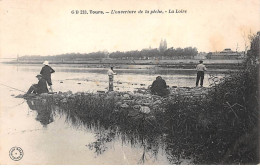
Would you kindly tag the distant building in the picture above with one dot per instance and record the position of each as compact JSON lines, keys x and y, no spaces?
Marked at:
{"x":225,"y":54}
{"x":201,"y":55}
{"x":163,"y":46}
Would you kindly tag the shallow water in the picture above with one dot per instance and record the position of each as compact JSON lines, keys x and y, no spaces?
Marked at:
{"x":82,"y":78}
{"x":51,"y":138}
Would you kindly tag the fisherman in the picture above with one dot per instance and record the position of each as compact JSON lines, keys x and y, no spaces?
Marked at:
{"x":200,"y":73}
{"x":46,"y":73}
{"x":159,"y":87}
{"x":39,"y":88}
{"x":111,"y":74}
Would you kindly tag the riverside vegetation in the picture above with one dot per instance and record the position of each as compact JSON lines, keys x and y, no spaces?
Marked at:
{"x":216,"y":125}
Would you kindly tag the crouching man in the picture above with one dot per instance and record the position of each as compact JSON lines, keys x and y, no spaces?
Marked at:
{"x":159,"y":87}
{"x":39,"y":88}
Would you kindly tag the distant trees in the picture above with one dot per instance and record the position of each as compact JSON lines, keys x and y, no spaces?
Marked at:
{"x":127,"y":54}
{"x":143,"y":54}
{"x":188,"y":51}
{"x":66,"y":57}
{"x":152,"y":53}
{"x":253,"y":55}
{"x":74,"y":56}
{"x":155,"y":53}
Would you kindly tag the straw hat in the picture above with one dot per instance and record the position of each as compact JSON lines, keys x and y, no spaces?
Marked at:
{"x":45,"y":63}
{"x":38,"y":75}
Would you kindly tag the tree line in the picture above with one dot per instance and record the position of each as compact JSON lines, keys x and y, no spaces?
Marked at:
{"x":144,"y":53}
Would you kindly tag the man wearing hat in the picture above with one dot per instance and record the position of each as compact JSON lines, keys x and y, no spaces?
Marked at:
{"x":39,"y":88}
{"x":110,"y":74}
{"x":46,"y":73}
{"x":200,"y":73}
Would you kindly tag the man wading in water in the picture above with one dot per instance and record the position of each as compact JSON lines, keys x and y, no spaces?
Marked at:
{"x":111,"y":74}
{"x":46,"y":73}
{"x":200,"y":73}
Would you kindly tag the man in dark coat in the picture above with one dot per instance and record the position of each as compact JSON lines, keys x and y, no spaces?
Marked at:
{"x":39,"y":88}
{"x":159,"y":87}
{"x":46,"y":73}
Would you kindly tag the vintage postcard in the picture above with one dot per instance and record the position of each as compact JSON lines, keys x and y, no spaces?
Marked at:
{"x":117,"y":82}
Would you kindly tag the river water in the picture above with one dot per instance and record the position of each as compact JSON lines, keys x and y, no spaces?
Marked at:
{"x":57,"y":140}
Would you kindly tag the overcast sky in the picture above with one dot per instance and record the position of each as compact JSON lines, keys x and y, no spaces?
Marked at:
{"x":47,"y":27}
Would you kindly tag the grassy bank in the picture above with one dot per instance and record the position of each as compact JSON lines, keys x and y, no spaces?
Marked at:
{"x":221,"y":128}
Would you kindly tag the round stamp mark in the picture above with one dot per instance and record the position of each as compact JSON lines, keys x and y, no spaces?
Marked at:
{"x":16,"y":153}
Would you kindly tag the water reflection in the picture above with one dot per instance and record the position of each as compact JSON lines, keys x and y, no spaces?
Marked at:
{"x":149,"y":149}
{"x":113,"y":129}
{"x":44,"y":111}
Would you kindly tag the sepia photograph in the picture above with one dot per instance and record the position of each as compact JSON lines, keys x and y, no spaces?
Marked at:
{"x":141,"y":82}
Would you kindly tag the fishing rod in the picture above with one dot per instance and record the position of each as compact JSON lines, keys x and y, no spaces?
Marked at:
{"x":12,"y":87}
